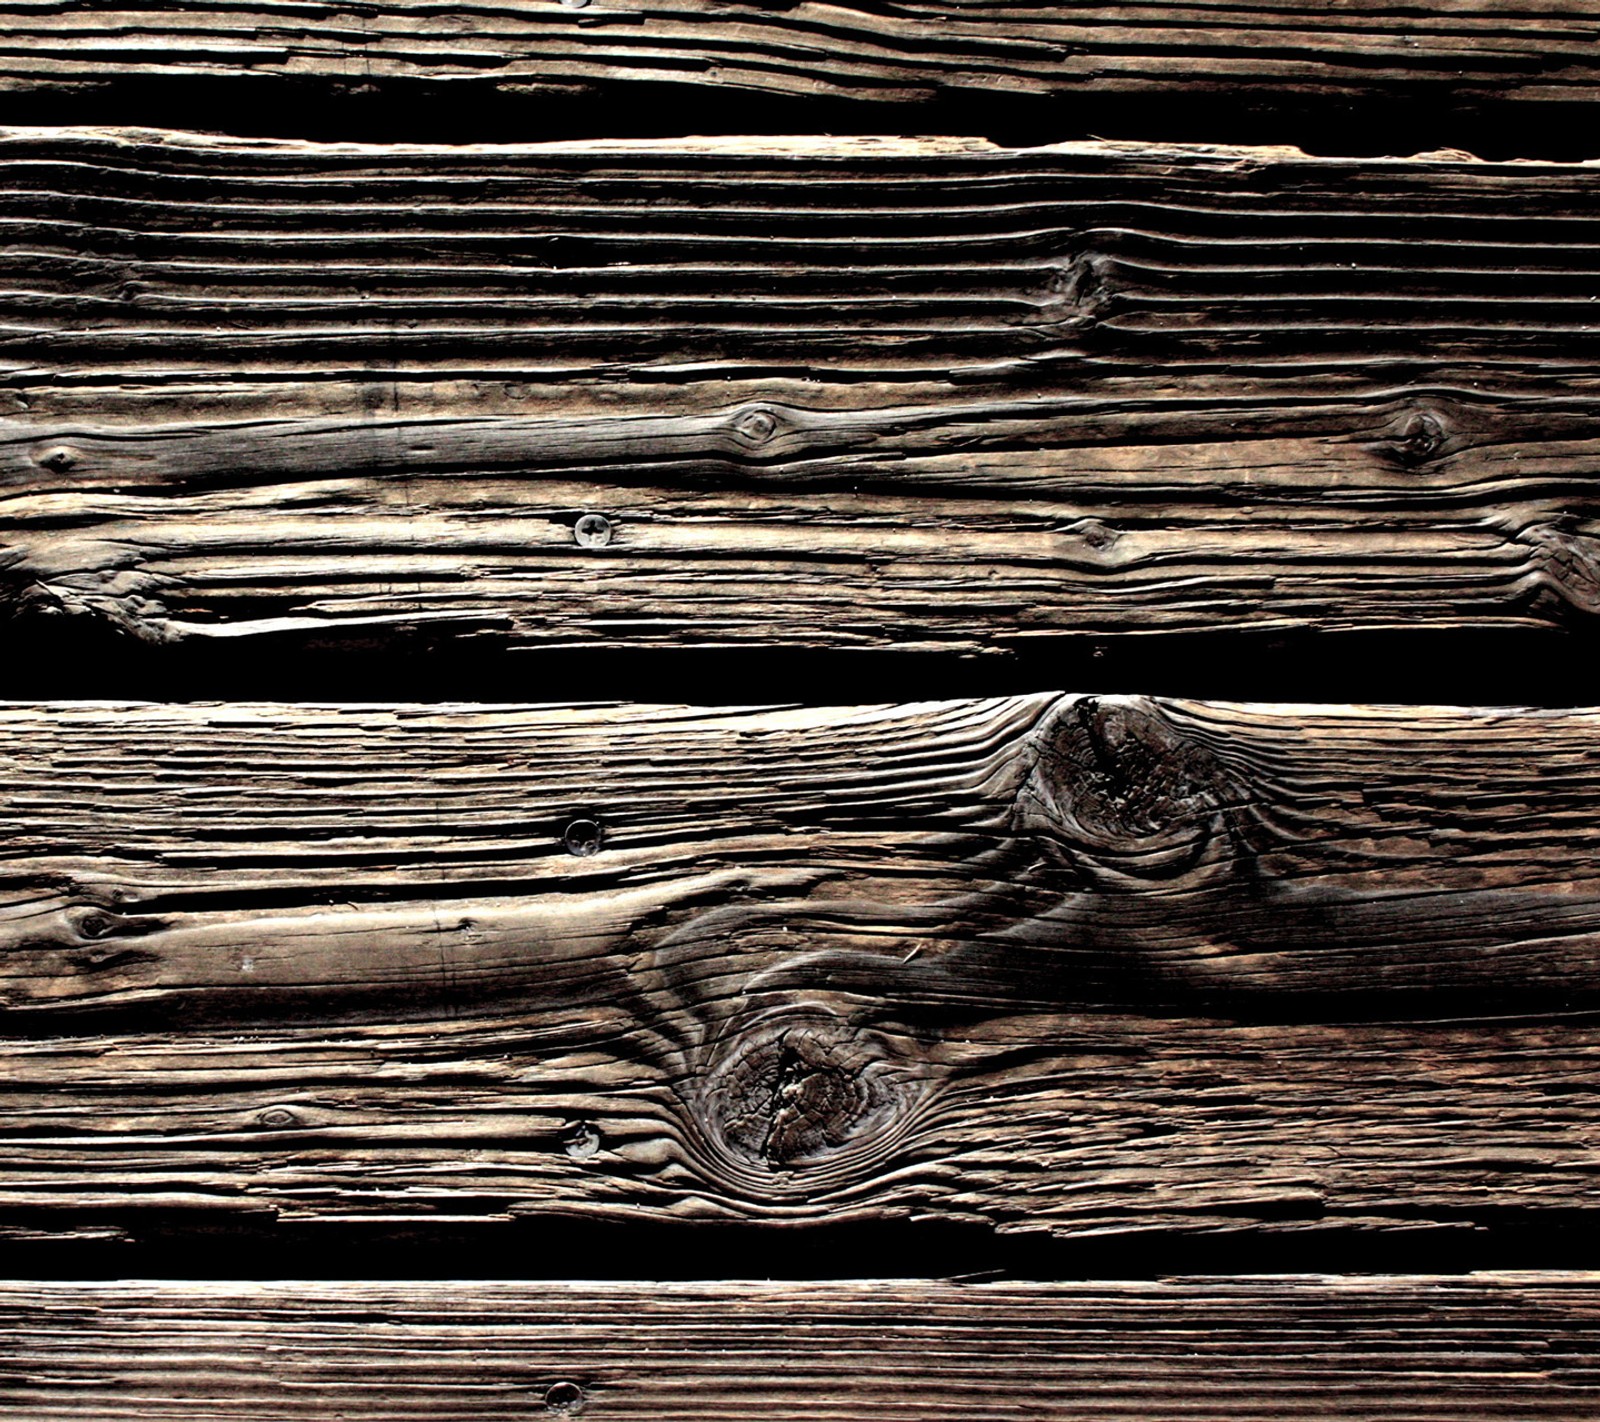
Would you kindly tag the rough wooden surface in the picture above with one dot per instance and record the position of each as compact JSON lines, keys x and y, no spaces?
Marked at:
{"x":1465,"y":52}
{"x":135,"y":255}
{"x":853,"y":394}
{"x":1069,"y":964}
{"x":1217,"y":1350}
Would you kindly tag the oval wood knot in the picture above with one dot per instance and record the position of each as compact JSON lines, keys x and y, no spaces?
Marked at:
{"x":1076,"y":292}
{"x":802,"y":1088}
{"x":1115,"y":789}
{"x":757,"y":425}
{"x":1421,"y":437}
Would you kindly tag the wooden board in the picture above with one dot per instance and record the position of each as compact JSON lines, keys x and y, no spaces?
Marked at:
{"x":1218,"y":1350}
{"x":839,"y":394}
{"x":1461,"y":52}
{"x":1072,"y":964}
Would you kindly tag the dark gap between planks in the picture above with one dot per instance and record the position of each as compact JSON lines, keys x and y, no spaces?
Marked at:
{"x":423,"y":111}
{"x":561,"y":1249}
{"x":51,"y":660}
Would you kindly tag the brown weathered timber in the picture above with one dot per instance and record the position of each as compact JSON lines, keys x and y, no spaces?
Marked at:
{"x":1073,"y":964}
{"x":855,"y":394}
{"x":1501,"y":1346}
{"x":1466,"y":52}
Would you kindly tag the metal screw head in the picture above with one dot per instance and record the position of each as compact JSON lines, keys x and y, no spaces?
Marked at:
{"x":592,"y":531}
{"x":583,"y":838}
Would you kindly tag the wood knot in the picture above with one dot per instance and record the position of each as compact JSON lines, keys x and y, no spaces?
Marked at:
{"x":757,"y":425}
{"x":1101,"y":537}
{"x":802,"y":1088}
{"x":57,"y":459}
{"x":1076,"y":292}
{"x":95,"y":925}
{"x":1115,"y":789}
{"x":1567,"y":562}
{"x":1421,"y":436}
{"x":99,"y":942}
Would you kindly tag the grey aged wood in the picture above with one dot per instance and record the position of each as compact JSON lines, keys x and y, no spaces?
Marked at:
{"x":1462,"y":52}
{"x":1496,"y":1346}
{"x":847,"y":394}
{"x":1074,"y":964}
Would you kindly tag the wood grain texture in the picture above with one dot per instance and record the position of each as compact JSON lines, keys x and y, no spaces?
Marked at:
{"x":1463,"y":52}
{"x":838,"y":394}
{"x":1069,"y":964}
{"x":1217,"y":1350}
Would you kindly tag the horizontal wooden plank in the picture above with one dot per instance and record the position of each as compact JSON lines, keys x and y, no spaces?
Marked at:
{"x":807,"y":393}
{"x":1069,"y":964}
{"x":1219,"y":1350}
{"x":1464,"y":52}
{"x":133,"y":255}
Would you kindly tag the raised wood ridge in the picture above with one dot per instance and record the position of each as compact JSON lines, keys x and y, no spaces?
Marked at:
{"x":1072,"y":964}
{"x":1218,"y":1350}
{"x":1460,"y":52}
{"x":840,"y":394}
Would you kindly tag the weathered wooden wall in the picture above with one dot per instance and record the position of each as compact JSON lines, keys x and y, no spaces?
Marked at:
{"x":1115,"y":979}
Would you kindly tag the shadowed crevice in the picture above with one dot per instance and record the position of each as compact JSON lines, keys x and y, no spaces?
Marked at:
{"x":1398,"y":121}
{"x":46,"y":658}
